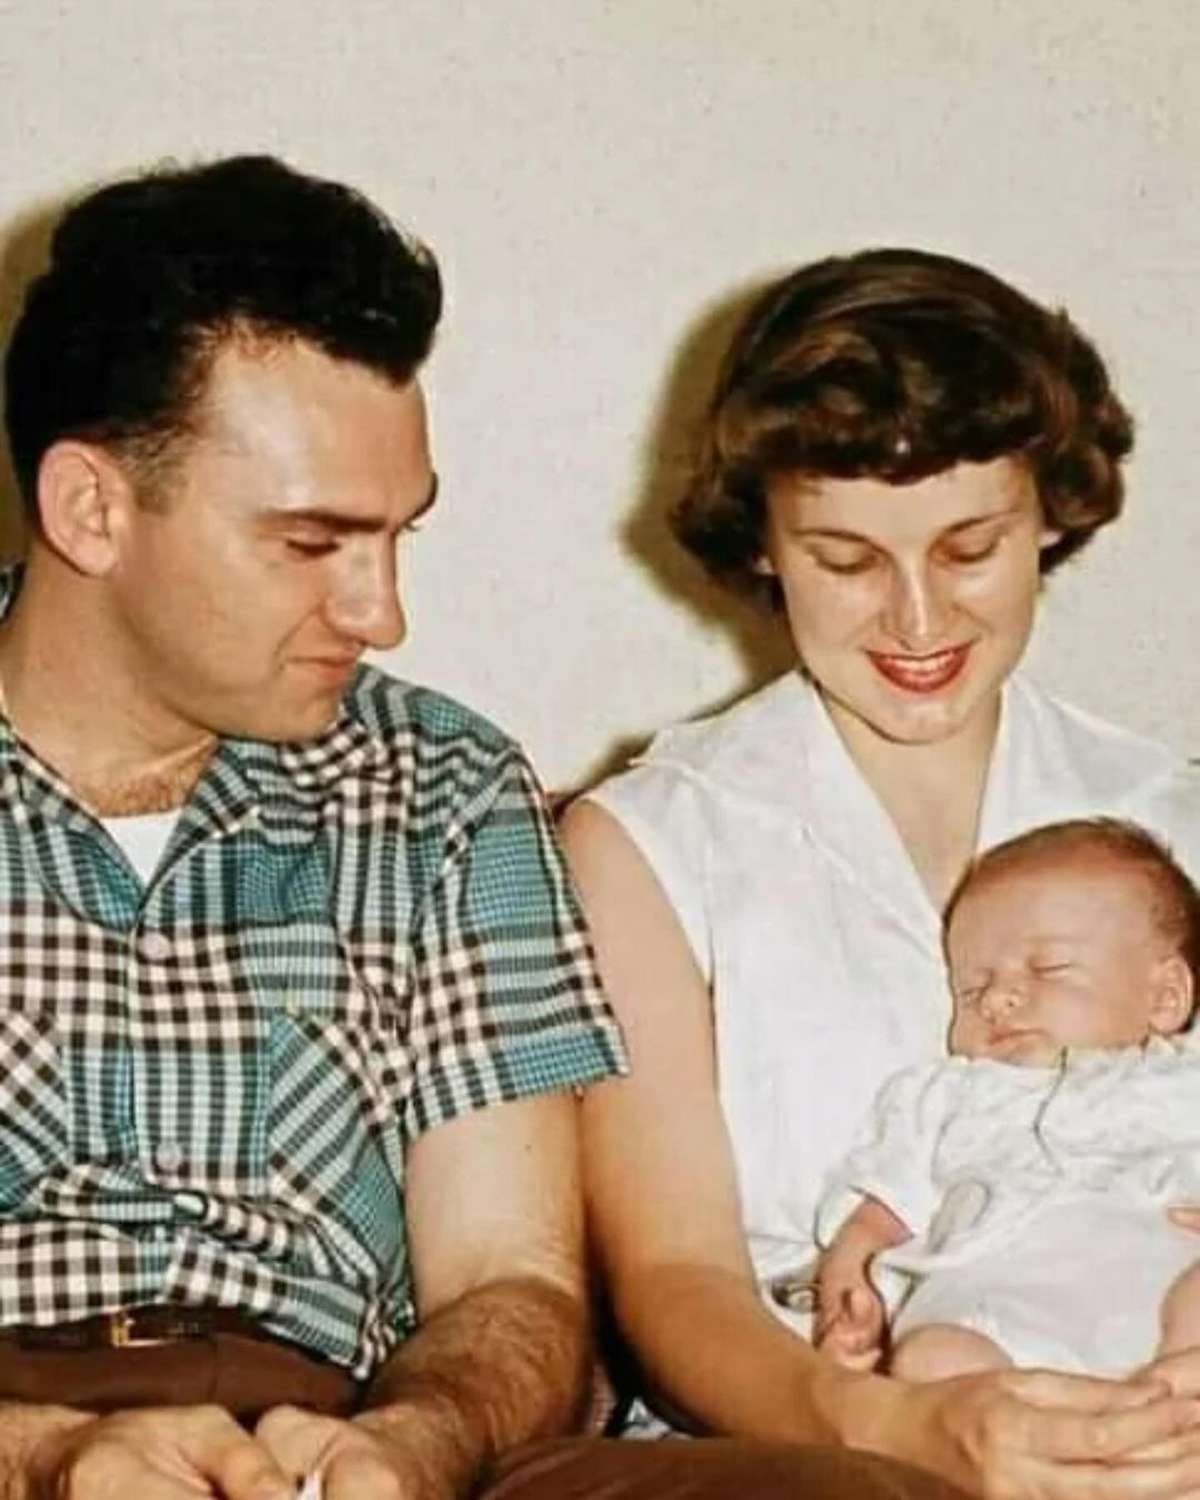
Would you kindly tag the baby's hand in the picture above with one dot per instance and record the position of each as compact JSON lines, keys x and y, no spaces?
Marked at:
{"x":850,"y":1330}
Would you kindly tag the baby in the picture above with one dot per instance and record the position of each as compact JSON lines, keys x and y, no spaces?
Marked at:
{"x":1021,"y":1185}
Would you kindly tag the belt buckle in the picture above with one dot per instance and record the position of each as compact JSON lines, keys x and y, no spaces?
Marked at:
{"x":120,"y":1332}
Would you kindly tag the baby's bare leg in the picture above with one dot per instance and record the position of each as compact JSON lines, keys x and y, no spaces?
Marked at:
{"x":1180,"y":1315}
{"x":940,"y":1350}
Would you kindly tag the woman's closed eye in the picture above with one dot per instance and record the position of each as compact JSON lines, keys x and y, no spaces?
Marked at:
{"x":973,"y":545}
{"x":844,"y":561}
{"x":972,"y":554}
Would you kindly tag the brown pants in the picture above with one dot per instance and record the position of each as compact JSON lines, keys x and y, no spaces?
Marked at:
{"x":705,"y":1469}
{"x":247,"y":1376}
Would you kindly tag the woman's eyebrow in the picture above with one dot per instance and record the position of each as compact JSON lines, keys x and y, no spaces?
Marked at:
{"x":835,"y":533}
{"x":990,"y":515}
{"x":840,"y":534}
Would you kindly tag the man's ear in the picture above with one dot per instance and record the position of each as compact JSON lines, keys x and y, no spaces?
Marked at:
{"x":1172,"y":996}
{"x":83,"y":497}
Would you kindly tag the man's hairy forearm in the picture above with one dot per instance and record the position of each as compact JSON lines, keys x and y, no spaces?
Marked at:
{"x":22,"y":1428}
{"x":503,"y":1364}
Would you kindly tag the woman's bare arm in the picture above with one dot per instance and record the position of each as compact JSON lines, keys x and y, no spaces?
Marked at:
{"x":659,"y":1173}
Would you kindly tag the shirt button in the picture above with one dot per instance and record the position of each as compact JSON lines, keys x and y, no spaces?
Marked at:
{"x":156,"y":946}
{"x":168,"y":1156}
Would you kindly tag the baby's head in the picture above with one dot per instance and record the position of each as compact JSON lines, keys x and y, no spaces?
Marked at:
{"x":1077,"y":934}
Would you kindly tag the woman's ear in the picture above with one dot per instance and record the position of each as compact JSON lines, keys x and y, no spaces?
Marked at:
{"x":82,"y":495}
{"x":1173,"y":995}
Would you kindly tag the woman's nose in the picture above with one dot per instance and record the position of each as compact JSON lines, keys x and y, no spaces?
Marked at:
{"x":917,"y":607}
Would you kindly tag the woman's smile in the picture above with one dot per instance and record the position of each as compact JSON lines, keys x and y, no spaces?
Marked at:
{"x":928,"y":673}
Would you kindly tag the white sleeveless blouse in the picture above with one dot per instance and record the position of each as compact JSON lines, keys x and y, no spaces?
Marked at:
{"x":807,"y":917}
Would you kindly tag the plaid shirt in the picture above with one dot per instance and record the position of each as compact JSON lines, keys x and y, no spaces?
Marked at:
{"x":208,"y":1085}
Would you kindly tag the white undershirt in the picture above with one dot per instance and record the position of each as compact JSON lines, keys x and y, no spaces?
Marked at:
{"x":143,"y":838}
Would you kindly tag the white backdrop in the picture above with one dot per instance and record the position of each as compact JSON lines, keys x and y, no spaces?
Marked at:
{"x":600,"y":178}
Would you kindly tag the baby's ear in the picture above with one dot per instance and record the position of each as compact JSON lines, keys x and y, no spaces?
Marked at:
{"x":1172,"y":996}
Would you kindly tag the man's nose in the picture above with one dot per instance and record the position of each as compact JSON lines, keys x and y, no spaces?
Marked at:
{"x":365,"y":606}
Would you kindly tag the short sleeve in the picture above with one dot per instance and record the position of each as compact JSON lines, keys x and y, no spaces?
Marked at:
{"x":506,"y":999}
{"x":893,"y":1158}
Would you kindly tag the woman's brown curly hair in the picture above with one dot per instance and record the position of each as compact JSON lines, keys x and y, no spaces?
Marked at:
{"x":898,"y":364}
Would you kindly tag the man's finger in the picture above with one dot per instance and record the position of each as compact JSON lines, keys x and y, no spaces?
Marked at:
{"x":1185,"y":1217}
{"x":240,"y":1467}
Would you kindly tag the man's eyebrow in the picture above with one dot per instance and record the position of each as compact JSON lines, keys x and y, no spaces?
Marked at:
{"x":279,"y":518}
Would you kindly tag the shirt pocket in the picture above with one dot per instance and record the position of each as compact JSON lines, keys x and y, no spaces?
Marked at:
{"x":35,"y":1136}
{"x":332,"y":1131}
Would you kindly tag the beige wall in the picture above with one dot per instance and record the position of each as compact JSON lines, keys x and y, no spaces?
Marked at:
{"x":599,"y":179}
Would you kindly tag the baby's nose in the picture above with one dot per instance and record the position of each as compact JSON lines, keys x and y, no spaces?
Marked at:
{"x":1001,"y":998}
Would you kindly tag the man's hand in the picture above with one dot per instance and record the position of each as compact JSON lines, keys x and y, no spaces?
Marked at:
{"x":364,"y":1458}
{"x":158,"y":1453}
{"x":350,"y":1460}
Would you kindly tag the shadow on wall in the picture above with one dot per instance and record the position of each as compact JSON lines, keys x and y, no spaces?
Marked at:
{"x":24,"y":253}
{"x":760,"y":637}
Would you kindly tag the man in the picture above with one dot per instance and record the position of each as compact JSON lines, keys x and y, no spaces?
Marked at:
{"x":294,"y":994}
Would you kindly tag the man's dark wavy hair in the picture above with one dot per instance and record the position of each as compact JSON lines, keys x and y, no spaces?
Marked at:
{"x":150,"y":275}
{"x":897,"y":364}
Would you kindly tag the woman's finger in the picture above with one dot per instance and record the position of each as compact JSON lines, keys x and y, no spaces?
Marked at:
{"x":1050,"y":1390}
{"x":1178,"y":1480}
{"x":1098,"y":1434}
{"x":1177,"y":1373}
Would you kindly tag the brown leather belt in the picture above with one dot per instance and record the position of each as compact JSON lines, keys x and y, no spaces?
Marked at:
{"x":137,"y":1327}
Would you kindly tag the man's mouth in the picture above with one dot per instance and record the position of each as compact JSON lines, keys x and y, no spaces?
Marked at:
{"x":921,"y":674}
{"x":335,"y":668}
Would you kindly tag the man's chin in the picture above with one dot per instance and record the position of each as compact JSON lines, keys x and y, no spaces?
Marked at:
{"x":284,"y":726}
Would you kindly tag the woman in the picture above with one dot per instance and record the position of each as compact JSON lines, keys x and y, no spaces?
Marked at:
{"x":899,"y":446}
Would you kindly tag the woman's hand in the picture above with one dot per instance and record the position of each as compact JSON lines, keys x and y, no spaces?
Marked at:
{"x":1034,"y":1433}
{"x":1178,"y":1373}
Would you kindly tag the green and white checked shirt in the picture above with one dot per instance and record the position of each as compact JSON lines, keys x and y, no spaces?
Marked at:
{"x":208,"y":1084}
